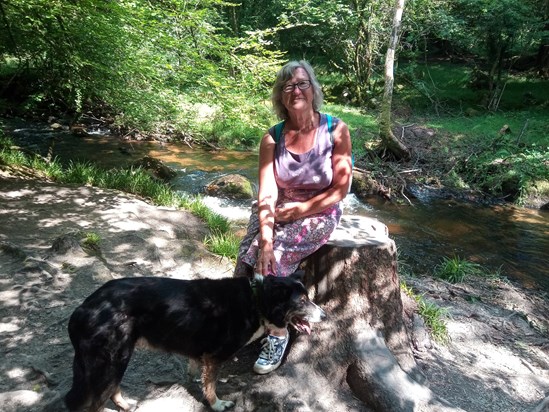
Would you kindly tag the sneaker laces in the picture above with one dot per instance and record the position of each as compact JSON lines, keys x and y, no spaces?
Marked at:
{"x":269,"y":346}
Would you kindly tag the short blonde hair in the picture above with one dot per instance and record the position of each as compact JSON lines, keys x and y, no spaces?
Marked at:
{"x":285,"y":74}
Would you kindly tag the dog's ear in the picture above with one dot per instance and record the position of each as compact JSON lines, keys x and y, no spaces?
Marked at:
{"x":298,"y":275}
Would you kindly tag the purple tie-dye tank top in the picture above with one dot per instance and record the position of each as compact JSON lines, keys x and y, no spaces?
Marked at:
{"x":302,"y":176}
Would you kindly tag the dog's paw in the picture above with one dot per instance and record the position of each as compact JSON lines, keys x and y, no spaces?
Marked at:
{"x":221,"y":405}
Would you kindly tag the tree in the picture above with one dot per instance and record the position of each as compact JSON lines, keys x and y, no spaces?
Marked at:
{"x":389,"y":140}
{"x":496,"y":33}
{"x":543,"y":49}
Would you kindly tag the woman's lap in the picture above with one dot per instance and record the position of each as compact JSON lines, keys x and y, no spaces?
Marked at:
{"x":293,"y":241}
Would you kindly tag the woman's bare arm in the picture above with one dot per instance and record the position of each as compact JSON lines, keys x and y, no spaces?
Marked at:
{"x":267,"y":197}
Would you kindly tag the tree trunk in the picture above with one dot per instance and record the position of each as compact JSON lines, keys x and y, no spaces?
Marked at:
{"x":364,"y":343}
{"x":389,"y":140}
{"x":543,"y":49}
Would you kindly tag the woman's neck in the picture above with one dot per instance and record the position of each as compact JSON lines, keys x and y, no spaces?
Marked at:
{"x":303,"y":121}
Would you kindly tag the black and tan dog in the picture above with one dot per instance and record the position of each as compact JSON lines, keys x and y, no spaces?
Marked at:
{"x":205,"y":319}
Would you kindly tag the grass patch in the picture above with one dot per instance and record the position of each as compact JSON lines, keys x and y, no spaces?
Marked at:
{"x":505,"y":153}
{"x":91,"y":241}
{"x":473,"y":154}
{"x":218,"y":224}
{"x":134,"y":180}
{"x":456,"y":270}
{"x":444,"y":86}
{"x":224,"y":244}
{"x":363,"y":127}
{"x":432,"y":315}
{"x":526,"y":128}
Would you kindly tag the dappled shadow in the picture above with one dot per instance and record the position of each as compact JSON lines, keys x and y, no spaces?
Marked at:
{"x":46,"y":272}
{"x":358,"y":292}
{"x":40,"y":286}
{"x":498,"y":344}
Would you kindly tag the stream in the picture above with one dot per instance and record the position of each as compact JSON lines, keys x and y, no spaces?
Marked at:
{"x":506,"y":239}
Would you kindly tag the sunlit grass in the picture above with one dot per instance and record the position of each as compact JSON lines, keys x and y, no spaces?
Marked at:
{"x":456,"y":270}
{"x":91,"y":241}
{"x":133,"y":180}
{"x":433,"y":316}
{"x":525,"y":127}
{"x":362,"y":126}
{"x":225,"y":244}
{"x":421,"y":85}
{"x":218,"y":224}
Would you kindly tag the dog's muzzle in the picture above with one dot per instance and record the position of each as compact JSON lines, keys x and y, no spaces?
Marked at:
{"x":312,"y":314}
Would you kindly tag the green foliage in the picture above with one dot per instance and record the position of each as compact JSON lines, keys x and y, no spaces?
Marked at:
{"x":136,"y":61}
{"x":218,"y":224}
{"x":509,"y":164}
{"x":225,"y":244}
{"x":8,"y":155}
{"x":362,"y":126}
{"x":445,"y":88}
{"x":132,"y":180}
{"x":203,"y":68}
{"x":456,"y":270}
{"x":432,"y":315}
{"x":91,"y":240}
{"x":238,"y":124}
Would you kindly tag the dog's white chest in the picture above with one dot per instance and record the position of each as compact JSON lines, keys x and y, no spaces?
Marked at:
{"x":257,"y":334}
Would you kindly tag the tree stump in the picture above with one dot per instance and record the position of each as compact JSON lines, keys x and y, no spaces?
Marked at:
{"x":364,"y":343}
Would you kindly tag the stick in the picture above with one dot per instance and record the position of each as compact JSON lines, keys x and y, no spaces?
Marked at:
{"x":522,"y":131}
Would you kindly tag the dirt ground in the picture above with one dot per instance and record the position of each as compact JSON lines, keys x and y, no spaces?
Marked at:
{"x":497,"y":358}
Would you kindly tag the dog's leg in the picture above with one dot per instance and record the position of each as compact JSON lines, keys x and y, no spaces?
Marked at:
{"x":119,"y":401}
{"x":193,"y":370}
{"x":209,"y":377}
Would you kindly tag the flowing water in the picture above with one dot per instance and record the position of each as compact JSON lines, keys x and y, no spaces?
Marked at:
{"x":513,"y":241}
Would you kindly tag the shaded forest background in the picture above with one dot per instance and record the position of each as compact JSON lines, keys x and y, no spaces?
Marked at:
{"x":201,"y":70}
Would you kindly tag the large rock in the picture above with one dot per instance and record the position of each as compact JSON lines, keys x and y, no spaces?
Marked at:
{"x":156,"y":168}
{"x":231,"y":186}
{"x":364,"y":186}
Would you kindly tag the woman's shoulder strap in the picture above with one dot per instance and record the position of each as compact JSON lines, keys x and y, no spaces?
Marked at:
{"x":276,"y":131}
{"x":331,"y":123}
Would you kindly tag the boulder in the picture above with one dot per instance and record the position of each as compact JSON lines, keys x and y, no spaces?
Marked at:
{"x":156,"y":167}
{"x":231,"y":186}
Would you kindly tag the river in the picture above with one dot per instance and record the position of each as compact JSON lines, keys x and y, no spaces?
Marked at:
{"x":506,"y":239}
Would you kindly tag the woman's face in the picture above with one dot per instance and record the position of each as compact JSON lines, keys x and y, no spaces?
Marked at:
{"x":297,"y":99}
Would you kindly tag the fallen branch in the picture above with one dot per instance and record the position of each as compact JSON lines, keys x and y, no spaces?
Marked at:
{"x":522,"y":131}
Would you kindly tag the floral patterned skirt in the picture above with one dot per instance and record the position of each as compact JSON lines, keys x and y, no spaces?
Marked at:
{"x":293,"y":241}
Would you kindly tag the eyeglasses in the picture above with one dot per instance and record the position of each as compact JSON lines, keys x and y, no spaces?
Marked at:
{"x":302,"y":85}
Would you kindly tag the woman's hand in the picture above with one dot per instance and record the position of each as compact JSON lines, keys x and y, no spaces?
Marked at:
{"x":265,"y":264}
{"x":289,"y":212}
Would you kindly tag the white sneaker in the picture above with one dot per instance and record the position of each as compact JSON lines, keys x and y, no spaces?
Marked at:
{"x":272,"y":351}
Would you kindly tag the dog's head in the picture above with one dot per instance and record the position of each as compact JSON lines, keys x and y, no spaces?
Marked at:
{"x":285,"y":302}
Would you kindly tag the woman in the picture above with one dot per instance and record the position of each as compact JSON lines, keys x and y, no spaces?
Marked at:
{"x":304,"y":172}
